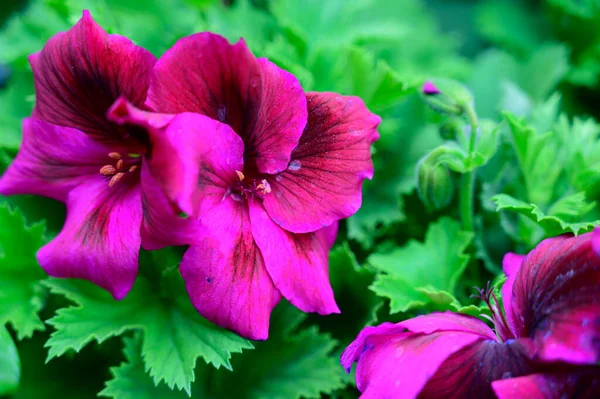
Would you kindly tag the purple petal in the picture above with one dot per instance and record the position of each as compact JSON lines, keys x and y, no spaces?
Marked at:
{"x":53,"y":160}
{"x":576,"y":383}
{"x":555,"y":299}
{"x":161,"y":225}
{"x":397,"y":364}
{"x":194,"y":158}
{"x":80,"y":73}
{"x":323,"y":181}
{"x":225,"y":274}
{"x":265,"y":105}
{"x":429,"y":88}
{"x":511,"y":264}
{"x":100,"y":240}
{"x":297,"y":263}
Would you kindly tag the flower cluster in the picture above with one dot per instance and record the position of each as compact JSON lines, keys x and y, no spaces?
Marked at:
{"x":546,"y":342}
{"x":208,"y":147}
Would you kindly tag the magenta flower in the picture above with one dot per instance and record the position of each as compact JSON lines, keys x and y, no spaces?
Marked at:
{"x":71,"y":152}
{"x":547,"y":346}
{"x":268,"y":169}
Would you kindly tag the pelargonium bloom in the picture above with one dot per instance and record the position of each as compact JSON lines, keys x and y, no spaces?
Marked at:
{"x":71,"y":152}
{"x":267,"y":168}
{"x":545,"y":345}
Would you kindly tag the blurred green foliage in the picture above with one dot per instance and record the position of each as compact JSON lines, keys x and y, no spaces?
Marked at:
{"x":533,"y":68}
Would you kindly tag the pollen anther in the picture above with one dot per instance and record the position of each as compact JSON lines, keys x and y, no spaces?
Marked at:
{"x":115,"y":155}
{"x":240,"y":175}
{"x":115,"y":179}
{"x":108,"y":170}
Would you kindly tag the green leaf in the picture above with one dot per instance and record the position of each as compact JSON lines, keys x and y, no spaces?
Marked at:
{"x":16,"y":102}
{"x":10,"y":365}
{"x":293,"y":363}
{"x":539,"y":159}
{"x":350,"y":283}
{"x":552,"y":225}
{"x":130,"y":380}
{"x":410,"y":274}
{"x":21,"y":295}
{"x":175,"y":335}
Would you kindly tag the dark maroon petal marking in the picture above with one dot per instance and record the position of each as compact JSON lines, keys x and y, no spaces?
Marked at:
{"x":323,"y":181}
{"x":469,"y":372}
{"x":555,"y":299}
{"x":225,"y":273}
{"x":100,"y":240}
{"x":53,"y":160}
{"x":265,"y":105}
{"x":297,"y":263}
{"x":80,"y":73}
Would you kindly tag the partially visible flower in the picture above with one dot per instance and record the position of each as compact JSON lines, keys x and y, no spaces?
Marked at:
{"x":546,"y":346}
{"x":269,"y":183}
{"x":71,"y":152}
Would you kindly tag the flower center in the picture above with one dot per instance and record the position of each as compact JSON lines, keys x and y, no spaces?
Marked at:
{"x":245,"y":188}
{"x":120,"y":166}
{"x":498,"y":318}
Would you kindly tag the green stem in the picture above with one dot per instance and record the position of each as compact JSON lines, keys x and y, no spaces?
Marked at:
{"x":467,"y":183}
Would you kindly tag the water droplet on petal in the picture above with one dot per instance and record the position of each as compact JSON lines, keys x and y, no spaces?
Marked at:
{"x":294,"y":165}
{"x":222,"y":112}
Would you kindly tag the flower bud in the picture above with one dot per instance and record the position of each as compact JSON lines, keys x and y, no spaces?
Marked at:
{"x":434,"y":183}
{"x":447,"y":96}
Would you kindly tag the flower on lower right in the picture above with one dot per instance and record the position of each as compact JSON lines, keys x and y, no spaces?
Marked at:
{"x":546,"y":342}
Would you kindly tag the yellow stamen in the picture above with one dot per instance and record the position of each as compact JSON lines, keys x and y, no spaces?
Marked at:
{"x":115,"y":155}
{"x":133,"y":168}
{"x":108,"y":170}
{"x":115,"y":179}
{"x":119,"y":164}
{"x":240,"y":175}
{"x":264,"y":187}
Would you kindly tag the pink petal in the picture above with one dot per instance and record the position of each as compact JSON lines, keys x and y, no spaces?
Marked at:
{"x":555,"y":299}
{"x":81,"y":72}
{"x":469,"y":372}
{"x":575,"y":383}
{"x":323,"y":182}
{"x":511,"y":264}
{"x":396,"y":364}
{"x":194,"y":158}
{"x":100,"y":240}
{"x":53,"y":160}
{"x":161,"y":225}
{"x":225,"y":274}
{"x":297,"y":263}
{"x":448,"y":321}
{"x":265,"y":105}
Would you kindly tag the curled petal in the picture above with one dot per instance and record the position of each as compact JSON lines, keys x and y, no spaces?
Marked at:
{"x":225,"y":273}
{"x":511,"y":264}
{"x":53,"y":160}
{"x":393,"y":363}
{"x":555,"y":299}
{"x":265,"y":105}
{"x":577,"y":383}
{"x":100,"y":240}
{"x":323,"y":181}
{"x":297,"y":263}
{"x":80,"y":73}
{"x":161,"y":225}
{"x":194,"y":158}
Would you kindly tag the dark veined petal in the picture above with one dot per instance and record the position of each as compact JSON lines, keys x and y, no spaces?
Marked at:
{"x":100,"y":240}
{"x":194,"y":158}
{"x":580,"y":383}
{"x":80,"y":73}
{"x":392,"y":364}
{"x":53,"y":160}
{"x":225,"y":274}
{"x":469,"y":372}
{"x":264,"y":104}
{"x":399,"y":360}
{"x":297,"y":263}
{"x":323,"y":181}
{"x":555,"y":299}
